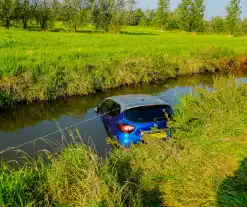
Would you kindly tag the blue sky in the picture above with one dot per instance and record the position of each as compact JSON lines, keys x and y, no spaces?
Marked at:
{"x":213,"y":7}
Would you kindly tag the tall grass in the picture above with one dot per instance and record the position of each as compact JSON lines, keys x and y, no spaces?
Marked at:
{"x":46,"y":65}
{"x":204,"y":164}
{"x":23,"y":186}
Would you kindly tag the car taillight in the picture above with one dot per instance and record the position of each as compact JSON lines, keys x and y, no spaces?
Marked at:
{"x":126,"y":128}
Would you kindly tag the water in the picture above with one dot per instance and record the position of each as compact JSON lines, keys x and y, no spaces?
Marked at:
{"x":30,"y":122}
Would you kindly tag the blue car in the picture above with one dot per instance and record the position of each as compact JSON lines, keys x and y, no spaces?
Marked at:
{"x":128,"y":117}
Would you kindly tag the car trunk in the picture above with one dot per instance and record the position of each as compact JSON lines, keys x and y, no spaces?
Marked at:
{"x":148,"y":118}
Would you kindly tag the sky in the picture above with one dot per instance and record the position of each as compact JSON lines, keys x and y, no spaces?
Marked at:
{"x":213,"y":7}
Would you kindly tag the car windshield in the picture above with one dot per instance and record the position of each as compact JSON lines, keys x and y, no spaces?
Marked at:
{"x":148,"y":113}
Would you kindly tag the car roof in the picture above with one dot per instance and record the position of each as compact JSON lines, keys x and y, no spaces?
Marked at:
{"x":136,"y":100}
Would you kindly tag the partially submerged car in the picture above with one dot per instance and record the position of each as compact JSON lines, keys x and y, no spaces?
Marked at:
{"x":128,"y":118}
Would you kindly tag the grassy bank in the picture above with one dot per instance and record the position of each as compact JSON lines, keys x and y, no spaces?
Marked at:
{"x":203,"y":165}
{"x":47,"y":65}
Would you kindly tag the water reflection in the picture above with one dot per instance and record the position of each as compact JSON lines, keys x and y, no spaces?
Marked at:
{"x":77,"y":107}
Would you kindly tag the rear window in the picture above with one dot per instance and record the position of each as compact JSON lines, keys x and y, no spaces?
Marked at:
{"x":148,"y":113}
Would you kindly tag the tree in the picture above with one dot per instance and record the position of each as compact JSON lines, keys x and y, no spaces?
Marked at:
{"x":110,"y":14}
{"x":95,"y":13}
{"x":185,"y":9}
{"x":162,"y":13}
{"x":198,"y":15}
{"x":192,"y":13}
{"x":22,"y":11}
{"x":71,"y":12}
{"x":7,"y":12}
{"x":130,"y":9}
{"x":217,"y":24}
{"x":75,"y":12}
{"x":45,"y":12}
{"x":174,"y":20}
{"x":244,"y":26}
{"x":106,"y":13}
{"x":233,"y":15}
{"x":137,"y":17}
{"x":150,"y":17}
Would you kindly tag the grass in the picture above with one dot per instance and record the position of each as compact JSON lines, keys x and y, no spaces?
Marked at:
{"x":204,"y":164}
{"x":49,"y":65}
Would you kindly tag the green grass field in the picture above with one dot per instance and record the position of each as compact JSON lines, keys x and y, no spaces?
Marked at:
{"x":204,"y":164}
{"x":48,"y":65}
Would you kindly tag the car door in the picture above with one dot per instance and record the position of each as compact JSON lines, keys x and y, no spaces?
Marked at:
{"x":103,"y":110}
{"x":113,"y":116}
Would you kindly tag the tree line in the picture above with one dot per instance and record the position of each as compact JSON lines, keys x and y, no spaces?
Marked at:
{"x":111,"y":15}
{"x":189,"y":16}
{"x":106,"y":14}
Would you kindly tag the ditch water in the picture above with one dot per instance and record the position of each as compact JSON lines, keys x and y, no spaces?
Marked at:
{"x":28,"y":123}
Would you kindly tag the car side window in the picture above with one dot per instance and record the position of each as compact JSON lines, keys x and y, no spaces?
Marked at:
{"x":114,"y":109}
{"x":110,"y":108}
{"x":103,"y":107}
